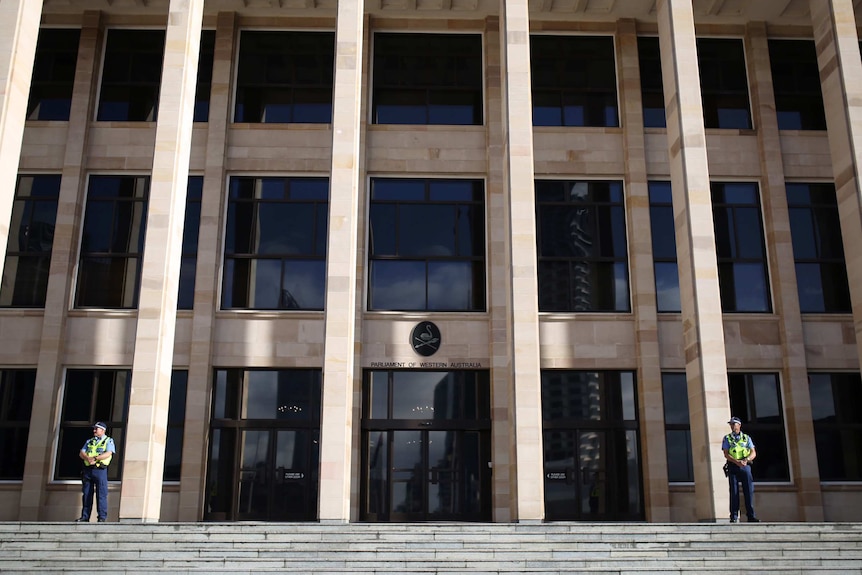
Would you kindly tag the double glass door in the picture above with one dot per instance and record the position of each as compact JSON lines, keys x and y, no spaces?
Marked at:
{"x":426,"y":447}
{"x":276,"y":479}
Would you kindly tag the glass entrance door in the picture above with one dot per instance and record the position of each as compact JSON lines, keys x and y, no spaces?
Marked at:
{"x":275,"y":477}
{"x":426,"y":456}
{"x":591,"y":448}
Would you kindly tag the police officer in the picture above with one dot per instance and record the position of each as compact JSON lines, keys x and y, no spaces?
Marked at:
{"x":739,"y":452}
{"x":96,"y":455}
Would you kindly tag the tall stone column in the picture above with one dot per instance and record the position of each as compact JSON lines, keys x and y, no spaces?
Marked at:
{"x":196,"y":431}
{"x":841,"y":80}
{"x":67,"y":227}
{"x":797,"y":399}
{"x":644,"y":306}
{"x":703,"y":331}
{"x":523,"y":331}
{"x":339,"y":353}
{"x":19,"y":30}
{"x":144,"y":457}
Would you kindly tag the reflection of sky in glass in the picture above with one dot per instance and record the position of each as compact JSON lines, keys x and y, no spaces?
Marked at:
{"x":414,"y":394}
{"x":397,"y":285}
{"x":305,"y":282}
{"x":822,"y":403}
{"x":627,"y":392}
{"x":750,"y":287}
{"x":765,"y":395}
{"x":260,"y":391}
{"x":667,"y":287}
{"x":449,"y":285}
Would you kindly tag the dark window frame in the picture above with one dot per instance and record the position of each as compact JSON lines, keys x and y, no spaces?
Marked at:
{"x":247,"y":202}
{"x":279,"y":72}
{"x":131,"y":75}
{"x":176,"y":425}
{"x":203,"y":85}
{"x":818,"y":207}
{"x":31,"y":239}
{"x":128,"y":199}
{"x":470,"y":250}
{"x":796,"y":84}
{"x":427,"y":79}
{"x":728,"y":215}
{"x":722,"y":88}
{"x":191,"y":232}
{"x":763,"y":420}
{"x":17,"y":388}
{"x":53,"y":79}
{"x":678,"y":424}
{"x":652,"y":84}
{"x":593,"y":90}
{"x":837,"y":424}
{"x":661,"y":210}
{"x":108,"y":402}
{"x":606,"y":221}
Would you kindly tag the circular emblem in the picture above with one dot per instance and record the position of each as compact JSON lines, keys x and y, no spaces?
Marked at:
{"x":425,"y":338}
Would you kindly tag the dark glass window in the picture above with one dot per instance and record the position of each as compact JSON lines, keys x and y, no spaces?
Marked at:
{"x":652,"y":90}
{"x":574,"y":81}
{"x":16,"y":403}
{"x":31,"y":237}
{"x":53,"y":74}
{"x":112,"y":244}
{"x":677,"y":428}
{"x":723,"y":83}
{"x":836,"y":405}
{"x":427,"y":245}
{"x":796,"y":82}
{"x":205,"y":76}
{"x":427,"y":79}
{"x":275,"y":243}
{"x":821,"y":273}
{"x":131,"y":76}
{"x":285,"y":77}
{"x":756,"y":399}
{"x":92,"y":395}
{"x":583,"y":262}
{"x":191,"y":228}
{"x":664,"y":247}
{"x":176,"y":425}
{"x":741,"y":253}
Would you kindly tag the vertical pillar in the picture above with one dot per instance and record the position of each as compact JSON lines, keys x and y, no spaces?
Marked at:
{"x":196,"y":431}
{"x":841,"y":79}
{"x":19,"y":30}
{"x":70,"y":208}
{"x":651,"y":399}
{"x":519,"y":187}
{"x":144,"y":457}
{"x":797,"y":400}
{"x":339,"y":353}
{"x":703,"y":331}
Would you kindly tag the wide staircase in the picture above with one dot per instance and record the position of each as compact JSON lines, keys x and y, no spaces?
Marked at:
{"x":550,"y":549}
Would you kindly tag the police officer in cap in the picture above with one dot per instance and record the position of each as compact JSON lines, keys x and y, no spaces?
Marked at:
{"x":739,"y":452}
{"x":96,"y":455}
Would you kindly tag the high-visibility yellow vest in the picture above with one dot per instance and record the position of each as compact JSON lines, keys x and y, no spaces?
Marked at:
{"x":97,"y":447}
{"x":738,"y":449}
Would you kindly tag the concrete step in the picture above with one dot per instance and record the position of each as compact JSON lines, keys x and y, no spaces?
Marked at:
{"x":387,"y":549}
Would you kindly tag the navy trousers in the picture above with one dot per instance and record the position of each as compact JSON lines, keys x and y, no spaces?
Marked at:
{"x":736,"y":476}
{"x":95,"y":481}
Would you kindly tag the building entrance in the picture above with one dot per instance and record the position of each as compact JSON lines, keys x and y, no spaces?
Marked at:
{"x":426,"y":446}
{"x":590,"y":437}
{"x":264,"y":446}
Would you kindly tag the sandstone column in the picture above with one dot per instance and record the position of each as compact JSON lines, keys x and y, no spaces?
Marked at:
{"x":651,"y":399}
{"x":144,"y":457}
{"x":196,"y":440}
{"x":797,"y":399}
{"x":523,"y":332}
{"x":703,"y":331}
{"x":70,"y":210}
{"x":339,"y":353}
{"x":19,"y":29}
{"x":841,"y":79}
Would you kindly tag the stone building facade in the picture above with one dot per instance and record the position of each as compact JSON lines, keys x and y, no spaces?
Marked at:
{"x":431,"y":260}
